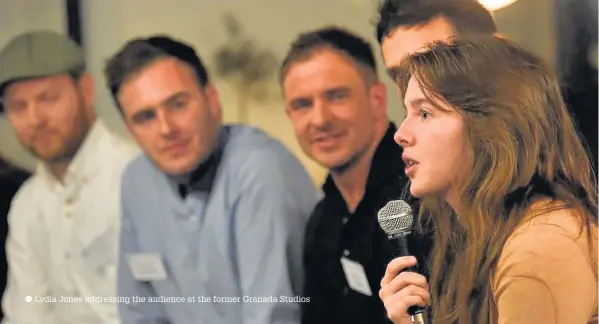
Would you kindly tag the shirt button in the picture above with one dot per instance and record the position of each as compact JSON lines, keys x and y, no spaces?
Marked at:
{"x":346,"y":252}
{"x":68,"y":201}
{"x":344,"y":220}
{"x":345,"y":291}
{"x":67,"y":255}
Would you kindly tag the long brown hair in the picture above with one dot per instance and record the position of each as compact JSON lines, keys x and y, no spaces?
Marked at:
{"x":522,"y":146}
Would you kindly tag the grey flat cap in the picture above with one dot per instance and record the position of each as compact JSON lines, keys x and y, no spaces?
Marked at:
{"x":39,"y":54}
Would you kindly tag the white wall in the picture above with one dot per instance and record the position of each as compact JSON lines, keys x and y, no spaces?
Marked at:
{"x":18,"y":16}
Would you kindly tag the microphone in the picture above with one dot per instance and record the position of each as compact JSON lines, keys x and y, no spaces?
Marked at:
{"x":396,"y":220}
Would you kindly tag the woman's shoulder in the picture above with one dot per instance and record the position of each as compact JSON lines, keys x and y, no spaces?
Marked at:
{"x":551,"y":230}
{"x":549,"y":258}
{"x":546,"y":221}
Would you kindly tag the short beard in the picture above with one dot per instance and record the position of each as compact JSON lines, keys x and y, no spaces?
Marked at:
{"x":349,"y":164}
{"x":73,"y":141}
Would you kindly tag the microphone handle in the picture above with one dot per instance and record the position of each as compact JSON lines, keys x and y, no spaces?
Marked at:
{"x":399,"y":247}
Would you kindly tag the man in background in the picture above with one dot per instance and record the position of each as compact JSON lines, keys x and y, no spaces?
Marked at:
{"x":213,"y":214}
{"x":405,"y":26}
{"x":338,"y":108}
{"x":63,"y":223}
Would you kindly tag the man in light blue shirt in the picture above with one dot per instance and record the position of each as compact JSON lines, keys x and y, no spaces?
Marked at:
{"x":213,"y":215}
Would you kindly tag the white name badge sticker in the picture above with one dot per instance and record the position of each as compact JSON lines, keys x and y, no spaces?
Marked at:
{"x":356,"y":276}
{"x":147,"y":266}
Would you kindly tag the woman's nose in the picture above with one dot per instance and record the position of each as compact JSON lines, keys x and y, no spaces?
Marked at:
{"x":403,"y":136}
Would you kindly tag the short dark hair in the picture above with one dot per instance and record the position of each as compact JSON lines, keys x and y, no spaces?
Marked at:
{"x":335,"y":38}
{"x":140,"y":52}
{"x":465,"y":16}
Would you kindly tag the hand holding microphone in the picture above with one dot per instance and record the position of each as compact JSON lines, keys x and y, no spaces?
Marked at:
{"x":404,"y":292}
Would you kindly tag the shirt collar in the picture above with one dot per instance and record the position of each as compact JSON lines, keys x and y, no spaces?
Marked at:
{"x":386,"y":161}
{"x":202,"y":178}
{"x":84,"y":165}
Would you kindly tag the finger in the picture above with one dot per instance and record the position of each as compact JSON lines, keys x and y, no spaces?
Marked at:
{"x":407,"y":278}
{"x":412,"y":290}
{"x":398,"y":308}
{"x":405,"y":290}
{"x":395,"y":266}
{"x":401,"y":281}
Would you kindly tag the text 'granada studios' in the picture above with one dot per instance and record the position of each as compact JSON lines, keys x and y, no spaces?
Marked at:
{"x":252,"y":299}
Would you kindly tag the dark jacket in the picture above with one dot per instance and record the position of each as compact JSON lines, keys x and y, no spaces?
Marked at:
{"x":333,"y":232}
{"x":11,"y":180}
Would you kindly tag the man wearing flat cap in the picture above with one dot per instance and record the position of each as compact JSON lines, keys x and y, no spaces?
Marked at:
{"x":62,"y":245}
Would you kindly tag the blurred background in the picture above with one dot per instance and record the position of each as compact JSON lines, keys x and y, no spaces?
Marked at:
{"x":243,"y":41}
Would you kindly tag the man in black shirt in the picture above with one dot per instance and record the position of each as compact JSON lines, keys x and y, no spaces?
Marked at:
{"x":337,"y":106}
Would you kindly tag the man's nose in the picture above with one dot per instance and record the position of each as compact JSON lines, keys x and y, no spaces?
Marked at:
{"x":36,"y":118}
{"x":165,"y":123}
{"x":321,"y":114}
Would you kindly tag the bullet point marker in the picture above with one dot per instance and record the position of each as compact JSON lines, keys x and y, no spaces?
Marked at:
{"x":28,"y":299}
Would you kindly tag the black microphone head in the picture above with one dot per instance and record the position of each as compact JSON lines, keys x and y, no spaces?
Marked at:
{"x":396,"y":218}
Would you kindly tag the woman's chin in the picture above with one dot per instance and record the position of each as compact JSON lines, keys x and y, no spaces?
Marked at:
{"x":419,"y":191}
{"x":416,"y":193}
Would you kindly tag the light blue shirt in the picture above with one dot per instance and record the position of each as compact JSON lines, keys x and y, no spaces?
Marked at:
{"x":240,"y":238}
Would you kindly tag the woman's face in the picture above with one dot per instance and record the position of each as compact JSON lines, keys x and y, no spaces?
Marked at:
{"x":434,"y":146}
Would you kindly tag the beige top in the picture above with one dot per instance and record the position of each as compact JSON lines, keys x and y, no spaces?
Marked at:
{"x":544,"y":274}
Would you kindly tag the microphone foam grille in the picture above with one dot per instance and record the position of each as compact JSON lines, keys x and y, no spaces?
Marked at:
{"x":396,"y":217}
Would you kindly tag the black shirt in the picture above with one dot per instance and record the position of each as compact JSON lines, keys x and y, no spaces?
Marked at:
{"x":333,"y":232}
{"x":11,"y":180}
{"x":202,"y":178}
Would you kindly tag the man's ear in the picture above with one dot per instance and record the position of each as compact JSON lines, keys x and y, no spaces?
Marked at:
{"x":213,"y":100}
{"x":85,"y":84}
{"x":378,"y":99}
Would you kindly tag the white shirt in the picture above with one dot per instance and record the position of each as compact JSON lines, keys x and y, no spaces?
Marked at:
{"x":63,"y":238}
